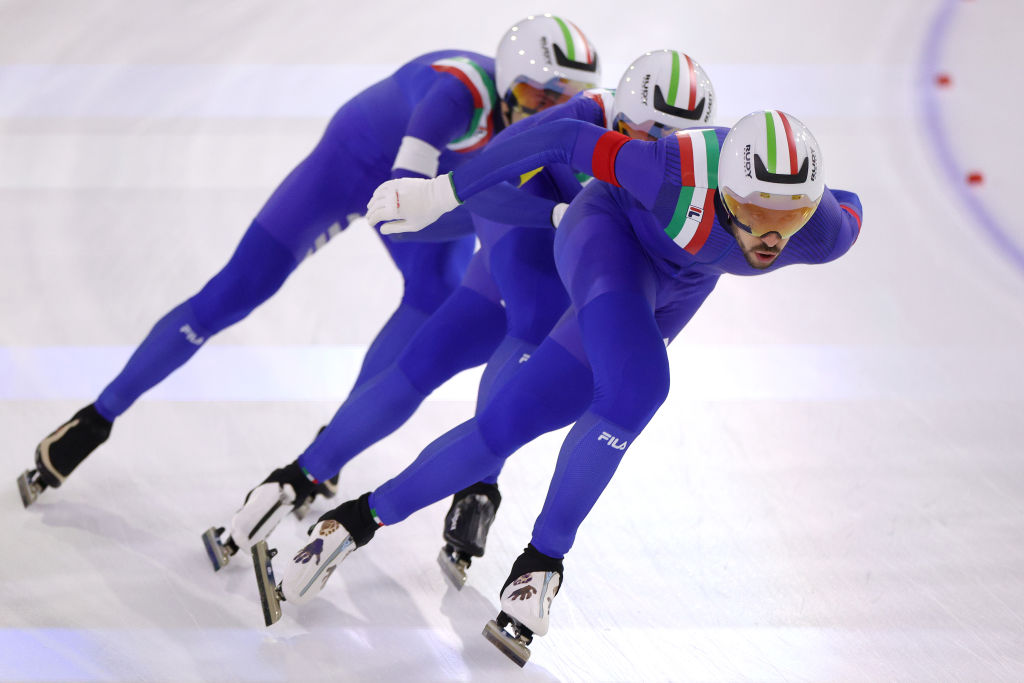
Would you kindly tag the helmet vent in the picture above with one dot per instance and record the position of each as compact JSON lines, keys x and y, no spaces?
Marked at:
{"x":567,"y":63}
{"x":695,"y":114}
{"x":783,"y":178}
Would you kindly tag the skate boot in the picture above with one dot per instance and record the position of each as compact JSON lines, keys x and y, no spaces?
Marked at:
{"x":62,"y":451}
{"x":287,"y":489}
{"x":525,"y":604}
{"x":465,"y":529}
{"x":349,"y":526}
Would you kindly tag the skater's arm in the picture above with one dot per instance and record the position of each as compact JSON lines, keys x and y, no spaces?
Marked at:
{"x":585,"y":147}
{"x":831,"y":230}
{"x":634,"y":165}
{"x":449,"y":110}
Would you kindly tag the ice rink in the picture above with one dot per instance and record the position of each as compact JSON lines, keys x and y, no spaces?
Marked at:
{"x":833,"y":492}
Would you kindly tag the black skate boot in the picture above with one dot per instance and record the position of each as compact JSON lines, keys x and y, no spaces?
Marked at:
{"x":465,"y":529}
{"x":525,"y":604}
{"x":62,"y":451}
{"x":286,"y":489}
{"x":335,"y":535}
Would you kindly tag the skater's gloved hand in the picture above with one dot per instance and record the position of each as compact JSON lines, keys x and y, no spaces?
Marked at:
{"x":557,"y":213}
{"x":410,"y":204}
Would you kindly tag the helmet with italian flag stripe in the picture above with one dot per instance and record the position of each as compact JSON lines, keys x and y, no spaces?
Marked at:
{"x":542,"y":61}
{"x":662,"y":91}
{"x":770,"y":173}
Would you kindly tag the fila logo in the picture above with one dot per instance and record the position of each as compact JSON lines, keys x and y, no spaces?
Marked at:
{"x":523,"y":358}
{"x":695,"y":212}
{"x":613,"y":442}
{"x":191,"y":335}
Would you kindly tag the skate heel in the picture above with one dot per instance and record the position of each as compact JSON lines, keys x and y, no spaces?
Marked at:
{"x":270,"y":594}
{"x":219,"y":552}
{"x":454,"y":564}
{"x":30,"y":486}
{"x":510,"y":637}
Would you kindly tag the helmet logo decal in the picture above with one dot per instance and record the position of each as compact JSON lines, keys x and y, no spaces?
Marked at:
{"x":784,"y":178}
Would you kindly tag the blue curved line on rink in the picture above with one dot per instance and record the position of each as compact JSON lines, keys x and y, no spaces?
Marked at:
{"x":934,"y":40}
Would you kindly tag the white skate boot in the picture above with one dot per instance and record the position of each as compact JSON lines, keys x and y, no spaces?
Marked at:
{"x":335,"y":535}
{"x":465,"y":529}
{"x":286,"y":490}
{"x":525,"y":604}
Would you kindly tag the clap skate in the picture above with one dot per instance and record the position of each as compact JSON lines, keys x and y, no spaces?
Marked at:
{"x":311,"y":567}
{"x":62,"y":451}
{"x":525,"y":604}
{"x":465,"y":530}
{"x":287,"y":489}
{"x":270,"y":592}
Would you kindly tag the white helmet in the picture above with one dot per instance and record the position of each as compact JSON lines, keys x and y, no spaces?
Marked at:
{"x":542,"y":61}
{"x":662,"y":91}
{"x":770,"y":173}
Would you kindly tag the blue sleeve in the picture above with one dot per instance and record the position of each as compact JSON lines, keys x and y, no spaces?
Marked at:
{"x":831,"y":230}
{"x":852,"y":214}
{"x":583,"y":146}
{"x":579,"y":108}
{"x":504,"y":203}
{"x":444,"y":113}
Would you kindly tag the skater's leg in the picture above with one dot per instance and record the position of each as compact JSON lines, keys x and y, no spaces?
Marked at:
{"x":549,"y":393}
{"x":255,"y":271}
{"x":430,"y":273}
{"x":614,"y":289}
{"x":460,"y":335}
{"x":523,"y":267}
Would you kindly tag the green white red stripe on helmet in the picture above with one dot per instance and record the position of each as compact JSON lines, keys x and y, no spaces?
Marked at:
{"x":781,"y":144}
{"x":576,"y":46}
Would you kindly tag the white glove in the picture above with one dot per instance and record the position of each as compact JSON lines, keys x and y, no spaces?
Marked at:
{"x":410,"y":204}
{"x":557,"y":213}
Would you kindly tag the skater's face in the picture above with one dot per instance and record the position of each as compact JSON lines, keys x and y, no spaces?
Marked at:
{"x":526,"y":96}
{"x":762,"y":251}
{"x":512,"y":114}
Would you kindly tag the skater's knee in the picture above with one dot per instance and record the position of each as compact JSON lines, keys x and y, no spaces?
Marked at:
{"x":634,"y":394}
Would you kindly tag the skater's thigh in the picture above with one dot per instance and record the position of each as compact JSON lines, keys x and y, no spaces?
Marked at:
{"x":331,"y":185}
{"x":430,"y":270}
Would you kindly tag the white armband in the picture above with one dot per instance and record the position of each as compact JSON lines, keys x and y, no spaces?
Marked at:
{"x":417,"y":156}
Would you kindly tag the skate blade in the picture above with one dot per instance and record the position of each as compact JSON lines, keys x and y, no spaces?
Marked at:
{"x":511,"y":647}
{"x":270,"y":599}
{"x":219,"y":555}
{"x":28,"y":488}
{"x":453,"y":570}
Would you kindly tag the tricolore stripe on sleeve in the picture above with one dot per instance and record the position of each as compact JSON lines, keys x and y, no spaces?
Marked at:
{"x":694,"y":214}
{"x":485,"y":97}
